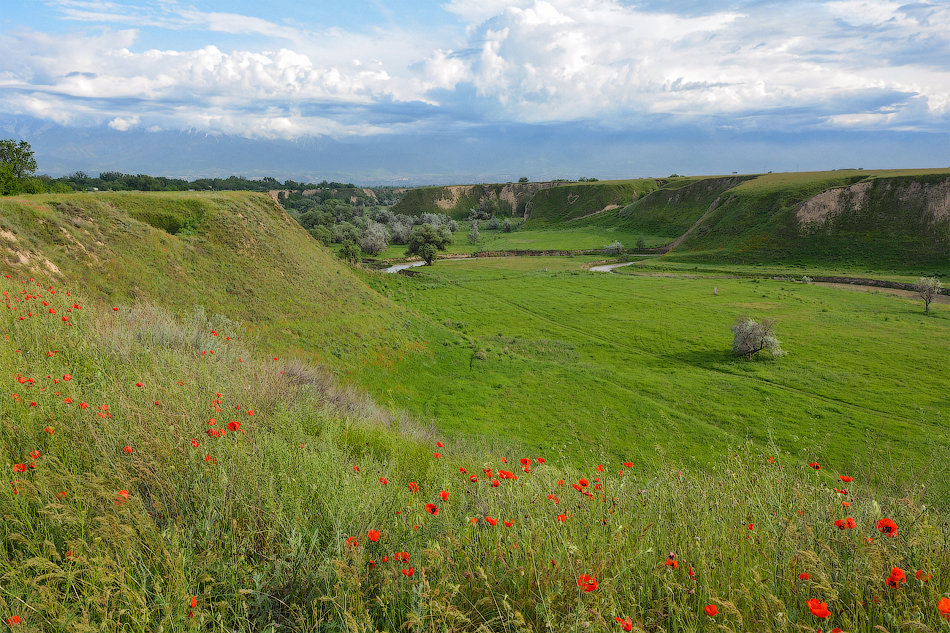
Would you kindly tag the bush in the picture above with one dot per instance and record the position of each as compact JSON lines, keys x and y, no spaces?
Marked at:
{"x":927,"y":289}
{"x":426,"y":235}
{"x":401,"y":232}
{"x":752,"y":337}
{"x":473,"y":235}
{"x":375,"y":239}
{"x":492,"y":224}
{"x":350,"y":252}
{"x":615,"y":248}
{"x":506,"y":227}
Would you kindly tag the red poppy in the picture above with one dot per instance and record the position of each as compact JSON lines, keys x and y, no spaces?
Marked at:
{"x":508,"y":524}
{"x":439,"y":444}
{"x":583,"y":482}
{"x":356,"y":469}
{"x":373,"y":535}
{"x":815,"y":465}
{"x":35,"y":454}
{"x":67,"y":377}
{"x":122,"y":497}
{"x":587,"y":583}
{"x":443,"y":495}
{"x":751,"y":527}
{"x":846,"y":479}
{"x":473,"y":479}
{"x":351,"y":541}
{"x":408,"y":572}
{"x":600,"y":468}
{"x":562,"y":518}
{"x":943,"y":606}
{"x":463,"y":471}
{"x":671,"y":562}
{"x":921,"y":576}
{"x":13,"y":620}
{"x":49,"y":430}
{"x":20,"y":468}
{"x":626,"y":625}
{"x":437,"y":455}
{"x":195,"y":443}
{"x":628,"y":464}
{"x":127,"y":449}
{"x":525,"y":461}
{"x":413,"y":486}
{"x":691,"y":573}
{"x":138,"y":384}
{"x":383,"y":480}
{"x":495,"y":483}
{"x":540,"y":460}
{"x":897,"y":577}
{"x":818,"y":609}
{"x":194,"y":601}
{"x":432,"y":509}
{"x":803,"y":575}
{"x":492,"y":522}
{"x":711,"y":610}
{"x":887,"y":526}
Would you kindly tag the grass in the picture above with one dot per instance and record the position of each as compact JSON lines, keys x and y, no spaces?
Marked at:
{"x":266,"y":527}
{"x":584,"y":363}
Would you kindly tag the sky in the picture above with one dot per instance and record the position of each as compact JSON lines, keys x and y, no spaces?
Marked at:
{"x":416,"y":92}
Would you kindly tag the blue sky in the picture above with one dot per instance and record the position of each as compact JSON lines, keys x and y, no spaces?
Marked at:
{"x":462,"y":90}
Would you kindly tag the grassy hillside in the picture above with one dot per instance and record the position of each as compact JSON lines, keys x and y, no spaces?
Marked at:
{"x":888,"y":220}
{"x":154,"y":486}
{"x":504,"y":199}
{"x":575,"y":200}
{"x":236,"y":254}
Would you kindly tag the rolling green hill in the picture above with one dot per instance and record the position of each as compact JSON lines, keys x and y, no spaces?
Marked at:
{"x":235,"y":254}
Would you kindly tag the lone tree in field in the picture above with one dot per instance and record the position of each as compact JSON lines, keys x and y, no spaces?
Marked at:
{"x":473,"y":235}
{"x":927,"y":289}
{"x":752,"y":337}
{"x":614,"y":248}
{"x":426,"y":239}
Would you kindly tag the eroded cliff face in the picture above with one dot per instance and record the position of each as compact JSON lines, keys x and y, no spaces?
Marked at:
{"x":928,"y":201}
{"x":514,"y":195}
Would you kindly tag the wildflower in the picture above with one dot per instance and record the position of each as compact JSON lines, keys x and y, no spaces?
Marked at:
{"x":195,"y":442}
{"x":194,"y":601}
{"x":439,"y":444}
{"x":408,"y":572}
{"x":845,"y":524}
{"x":583,"y":483}
{"x":13,"y":620}
{"x":897,"y":577}
{"x":50,"y":430}
{"x":628,"y":464}
{"x":671,"y":562}
{"x":351,"y":541}
{"x":437,"y":455}
{"x":383,"y":480}
{"x":815,"y":465}
{"x":626,"y":625}
{"x":67,"y":377}
{"x":127,"y":449}
{"x":35,"y":454}
{"x":943,"y":606}
{"x":818,"y":609}
{"x":711,"y":610}
{"x":473,"y":479}
{"x":463,"y":471}
{"x":356,"y":469}
{"x":887,"y":526}
{"x":846,"y":479}
{"x":587,"y":583}
{"x":373,"y":535}
{"x":921,"y":576}
{"x":751,"y":527}
{"x":234,"y":425}
{"x":432,"y":509}
{"x":443,"y":495}
{"x":508,"y":523}
{"x":492,"y":522}
{"x":562,"y":518}
{"x":20,"y":468}
{"x":803,"y":575}
{"x":122,"y":497}
{"x":138,"y":384}
{"x":692,"y":574}
{"x":495,"y":483}
{"x":413,"y":486}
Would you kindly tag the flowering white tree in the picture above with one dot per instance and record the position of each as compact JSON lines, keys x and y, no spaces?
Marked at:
{"x":751,"y":337}
{"x":928,"y":288}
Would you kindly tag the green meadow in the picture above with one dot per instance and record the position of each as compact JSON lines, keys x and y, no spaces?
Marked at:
{"x":545,"y":353}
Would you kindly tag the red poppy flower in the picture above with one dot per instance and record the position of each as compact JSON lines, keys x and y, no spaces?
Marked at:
{"x":437,"y":455}
{"x":373,"y":535}
{"x":626,"y":625}
{"x":49,"y":430}
{"x":691,"y":572}
{"x":921,"y":576}
{"x":525,"y":461}
{"x":711,"y":610}
{"x":194,"y":601}
{"x":356,"y":469}
{"x":495,"y":483}
{"x":887,"y":526}
{"x":234,"y":425}
{"x":127,"y":449}
{"x":897,"y":577}
{"x":818,"y":609}
{"x":439,"y":444}
{"x":383,"y":480}
{"x":413,"y":486}
{"x":408,"y":572}
{"x":122,"y":497}
{"x":432,"y":509}
{"x":67,"y":376}
{"x":943,"y":606}
{"x":351,"y":541}
{"x":671,"y":562}
{"x":195,"y":443}
{"x":562,"y":518}
{"x":815,"y":465}
{"x":508,"y":524}
{"x":751,"y":527}
{"x":583,"y":482}
{"x":138,"y":384}
{"x":600,"y":468}
{"x":20,"y":468}
{"x":35,"y":454}
{"x":13,"y":620}
{"x":463,"y":471}
{"x":443,"y":495}
{"x":803,"y":575}
{"x":846,"y":479}
{"x":587,"y":583}
{"x":492,"y":522}
{"x":473,"y":479}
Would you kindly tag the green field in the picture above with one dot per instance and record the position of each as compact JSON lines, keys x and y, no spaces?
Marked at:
{"x":566,"y":360}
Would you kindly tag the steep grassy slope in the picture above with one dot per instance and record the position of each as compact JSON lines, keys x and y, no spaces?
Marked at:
{"x":572,"y":201}
{"x":236,"y":254}
{"x":669,"y":211}
{"x":887,"y":220}
{"x":456,"y":200}
{"x":154,"y":487}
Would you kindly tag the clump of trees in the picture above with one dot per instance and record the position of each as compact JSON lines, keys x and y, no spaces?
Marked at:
{"x":614,"y":248}
{"x":427,"y":239}
{"x":752,"y":337}
{"x":927,"y":289}
{"x":17,"y":166}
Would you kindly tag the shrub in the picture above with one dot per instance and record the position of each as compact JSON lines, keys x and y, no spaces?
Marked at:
{"x":614,"y":248}
{"x":350,"y":252}
{"x":506,"y":227}
{"x":927,"y":289}
{"x":473,"y":235}
{"x":751,"y":337}
{"x":375,"y":239}
{"x":492,"y":224}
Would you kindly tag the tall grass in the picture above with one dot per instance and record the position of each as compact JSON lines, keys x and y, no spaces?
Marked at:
{"x":256,"y":525}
